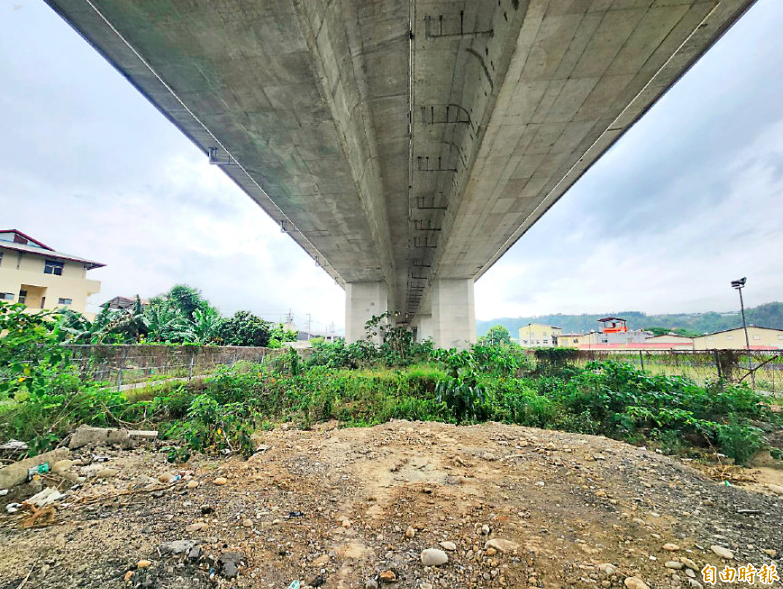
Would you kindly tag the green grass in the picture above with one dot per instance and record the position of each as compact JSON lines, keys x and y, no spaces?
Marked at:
{"x":222,"y":410}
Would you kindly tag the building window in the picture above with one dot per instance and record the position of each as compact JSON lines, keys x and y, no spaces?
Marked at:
{"x":780,"y":336}
{"x":6,"y":296}
{"x":53,"y":267}
{"x":22,"y":296}
{"x":1,"y":258}
{"x":729,"y":337}
{"x":546,"y":342}
{"x":62,"y":301}
{"x":756,"y":337}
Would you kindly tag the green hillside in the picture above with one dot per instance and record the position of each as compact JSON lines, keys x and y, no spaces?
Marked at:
{"x":766,"y":315}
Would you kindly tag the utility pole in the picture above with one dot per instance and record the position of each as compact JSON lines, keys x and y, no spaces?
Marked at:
{"x":739,"y":285}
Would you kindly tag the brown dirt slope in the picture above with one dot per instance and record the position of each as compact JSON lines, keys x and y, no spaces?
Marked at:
{"x":331,"y":507}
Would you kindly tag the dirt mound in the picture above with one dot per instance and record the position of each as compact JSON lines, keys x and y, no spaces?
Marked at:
{"x":509,"y":506}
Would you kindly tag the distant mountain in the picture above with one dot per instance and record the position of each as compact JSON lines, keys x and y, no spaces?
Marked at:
{"x":766,"y":315}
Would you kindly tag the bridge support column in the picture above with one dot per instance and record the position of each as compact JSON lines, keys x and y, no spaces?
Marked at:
{"x":453,"y":313}
{"x":424,"y":328}
{"x":362,"y":301}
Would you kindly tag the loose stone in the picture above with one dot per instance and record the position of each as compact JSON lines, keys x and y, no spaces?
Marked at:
{"x":722,"y":552}
{"x":433,"y":557}
{"x":635,"y":583}
{"x":502,"y":545}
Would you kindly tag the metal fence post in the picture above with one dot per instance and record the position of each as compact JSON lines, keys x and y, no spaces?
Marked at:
{"x":122,"y":368}
{"x":641,"y":360}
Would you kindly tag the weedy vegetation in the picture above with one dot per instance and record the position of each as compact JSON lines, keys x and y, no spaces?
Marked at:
{"x":43,"y":397}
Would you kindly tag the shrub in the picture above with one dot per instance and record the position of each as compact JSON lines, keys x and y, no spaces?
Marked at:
{"x":244,"y":329}
{"x":739,"y":441}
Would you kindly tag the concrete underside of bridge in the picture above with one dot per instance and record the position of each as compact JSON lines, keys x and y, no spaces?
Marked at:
{"x":404,"y":144}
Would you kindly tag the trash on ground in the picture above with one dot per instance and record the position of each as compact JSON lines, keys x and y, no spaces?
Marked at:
{"x":40,"y":517}
{"x":37,"y":470}
{"x":46,"y":497}
{"x":16,"y":473}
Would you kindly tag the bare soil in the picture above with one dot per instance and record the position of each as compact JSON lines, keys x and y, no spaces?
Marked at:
{"x":331,"y":507}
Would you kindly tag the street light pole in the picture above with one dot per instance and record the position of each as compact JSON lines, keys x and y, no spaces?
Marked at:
{"x":739,"y":285}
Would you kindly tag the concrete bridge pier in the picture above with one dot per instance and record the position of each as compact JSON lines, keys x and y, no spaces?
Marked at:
{"x":363,"y":300}
{"x":453,"y":313}
{"x":423,"y":328}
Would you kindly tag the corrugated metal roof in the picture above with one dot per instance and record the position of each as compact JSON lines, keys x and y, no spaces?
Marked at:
{"x":31,"y":249}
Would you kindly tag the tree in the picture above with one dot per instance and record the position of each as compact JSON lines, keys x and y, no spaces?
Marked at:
{"x":186,"y":299}
{"x":206,"y":322}
{"x":244,"y":329}
{"x":165,"y":323}
{"x":497,"y":335}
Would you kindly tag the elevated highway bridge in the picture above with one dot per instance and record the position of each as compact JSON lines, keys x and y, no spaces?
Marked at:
{"x":404,"y":144}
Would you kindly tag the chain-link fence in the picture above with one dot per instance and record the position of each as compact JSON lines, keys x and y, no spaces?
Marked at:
{"x":762,"y":369}
{"x":126,"y":365}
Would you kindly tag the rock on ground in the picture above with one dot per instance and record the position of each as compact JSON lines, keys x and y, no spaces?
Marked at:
{"x":350,"y":495}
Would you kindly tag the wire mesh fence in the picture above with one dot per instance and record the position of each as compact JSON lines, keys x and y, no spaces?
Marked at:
{"x":126,"y":365}
{"x":762,"y":369}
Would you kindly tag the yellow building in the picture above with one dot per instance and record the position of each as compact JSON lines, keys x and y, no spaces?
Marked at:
{"x":536,"y":335}
{"x":761,"y":338}
{"x":570,"y":340}
{"x":42,"y":278}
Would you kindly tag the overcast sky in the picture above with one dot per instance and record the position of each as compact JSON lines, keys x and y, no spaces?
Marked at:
{"x":689,"y":199}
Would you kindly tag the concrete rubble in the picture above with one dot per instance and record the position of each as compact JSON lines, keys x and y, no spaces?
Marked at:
{"x":104,"y":436}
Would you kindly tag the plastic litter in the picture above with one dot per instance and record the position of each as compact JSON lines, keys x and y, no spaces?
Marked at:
{"x":36,"y":471}
{"x":3,"y":492}
{"x":292,"y":514}
{"x":295,"y":584}
{"x":13,"y":507}
{"x":46,"y":497}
